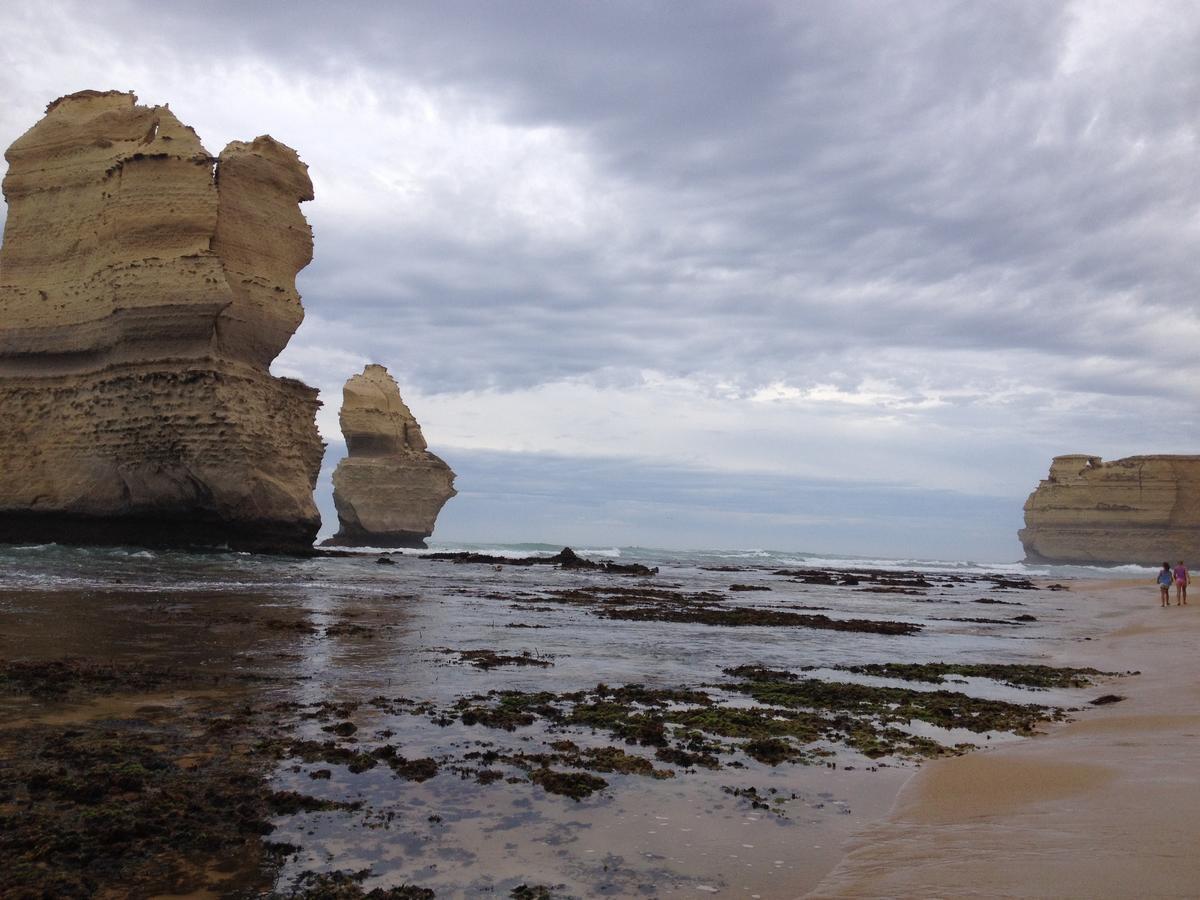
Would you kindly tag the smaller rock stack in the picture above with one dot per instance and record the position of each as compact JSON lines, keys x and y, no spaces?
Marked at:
{"x":389,"y":489}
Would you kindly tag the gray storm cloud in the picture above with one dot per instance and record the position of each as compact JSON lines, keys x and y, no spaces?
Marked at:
{"x":988,"y":208}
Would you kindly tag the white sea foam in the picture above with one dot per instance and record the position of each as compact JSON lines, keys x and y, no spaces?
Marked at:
{"x":611,"y":552}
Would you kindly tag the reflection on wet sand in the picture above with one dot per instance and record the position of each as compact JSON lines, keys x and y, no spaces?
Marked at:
{"x":1097,"y":808}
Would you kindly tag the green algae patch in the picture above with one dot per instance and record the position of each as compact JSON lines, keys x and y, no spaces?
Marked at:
{"x":614,"y":759}
{"x":609,"y":595}
{"x":875,"y":742}
{"x":755,"y":723}
{"x":1014,"y":675}
{"x":531,"y":892}
{"x":512,"y":709}
{"x":793,"y":719}
{"x":771,"y":751}
{"x":738,"y":616}
{"x":288,"y":803}
{"x":606,"y":759}
{"x":707,"y":608}
{"x":638,"y":693}
{"x":94,"y":809}
{"x":946,"y":709}
{"x":685,"y":759}
{"x":490,"y":659}
{"x":770,"y":800}
{"x":568,"y":754}
{"x":755,"y":672}
{"x":616,"y":710}
{"x":348,"y":886}
{"x":410,"y":769}
{"x":327,"y":751}
{"x":575,"y":785}
{"x":645,"y":728}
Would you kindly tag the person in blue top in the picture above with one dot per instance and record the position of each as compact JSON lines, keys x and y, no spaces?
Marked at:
{"x":1166,"y":578}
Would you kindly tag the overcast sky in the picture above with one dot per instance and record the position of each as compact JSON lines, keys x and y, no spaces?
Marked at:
{"x":831,"y":276}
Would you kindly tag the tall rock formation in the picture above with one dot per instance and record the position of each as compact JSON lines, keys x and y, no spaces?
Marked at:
{"x":145,"y":287}
{"x":389,"y":489}
{"x":1142,"y":509}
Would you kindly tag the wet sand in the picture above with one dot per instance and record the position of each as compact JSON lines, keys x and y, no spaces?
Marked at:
{"x":1106,"y":806}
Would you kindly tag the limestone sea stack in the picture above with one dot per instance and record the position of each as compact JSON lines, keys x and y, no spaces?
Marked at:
{"x":389,"y":489}
{"x":145,"y":288}
{"x":1141,"y":510}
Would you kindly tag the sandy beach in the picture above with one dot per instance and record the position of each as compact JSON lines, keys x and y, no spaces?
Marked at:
{"x":1105,"y":806}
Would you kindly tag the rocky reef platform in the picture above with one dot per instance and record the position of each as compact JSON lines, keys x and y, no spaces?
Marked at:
{"x":176,"y":724}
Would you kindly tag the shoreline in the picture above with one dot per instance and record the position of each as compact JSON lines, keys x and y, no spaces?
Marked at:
{"x":1103,"y":806}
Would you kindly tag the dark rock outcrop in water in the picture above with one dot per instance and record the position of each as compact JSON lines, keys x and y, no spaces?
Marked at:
{"x":566,"y":558}
{"x":1141,"y":510}
{"x":145,"y":287}
{"x":389,"y":489}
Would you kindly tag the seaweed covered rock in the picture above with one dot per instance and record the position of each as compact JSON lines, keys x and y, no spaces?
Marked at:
{"x":145,"y":288}
{"x":1141,"y":509}
{"x":389,"y":489}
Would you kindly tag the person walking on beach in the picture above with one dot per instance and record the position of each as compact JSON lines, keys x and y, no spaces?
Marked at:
{"x":1181,"y":582}
{"x":1165,"y":579}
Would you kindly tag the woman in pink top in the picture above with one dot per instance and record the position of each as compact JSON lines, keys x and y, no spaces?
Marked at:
{"x":1181,"y":582}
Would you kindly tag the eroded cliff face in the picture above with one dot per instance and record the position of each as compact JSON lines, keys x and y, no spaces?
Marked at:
{"x":145,"y":288}
{"x":1142,"y":510}
{"x":389,"y":489}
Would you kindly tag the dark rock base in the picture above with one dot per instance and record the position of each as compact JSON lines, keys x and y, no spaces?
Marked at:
{"x":410,"y":540}
{"x":181,"y":532}
{"x":1083,"y":545}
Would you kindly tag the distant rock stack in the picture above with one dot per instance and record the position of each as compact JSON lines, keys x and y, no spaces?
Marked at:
{"x":389,"y":489}
{"x":145,"y":287}
{"x":1139,"y":510}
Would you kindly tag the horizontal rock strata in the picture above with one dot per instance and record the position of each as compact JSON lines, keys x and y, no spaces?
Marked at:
{"x":145,"y":287}
{"x":1138,"y":510}
{"x":389,"y":490}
